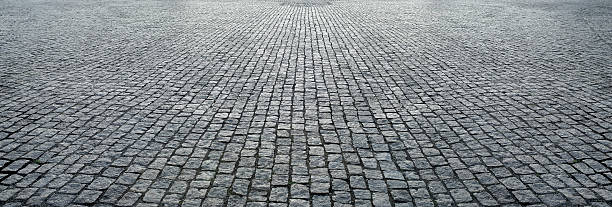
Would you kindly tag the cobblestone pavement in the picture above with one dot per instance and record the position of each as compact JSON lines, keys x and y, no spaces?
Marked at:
{"x":305,"y":102}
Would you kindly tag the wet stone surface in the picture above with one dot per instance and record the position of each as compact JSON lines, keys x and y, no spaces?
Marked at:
{"x":305,"y":103}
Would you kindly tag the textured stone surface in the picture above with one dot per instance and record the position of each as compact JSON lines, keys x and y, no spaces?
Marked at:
{"x":305,"y":102}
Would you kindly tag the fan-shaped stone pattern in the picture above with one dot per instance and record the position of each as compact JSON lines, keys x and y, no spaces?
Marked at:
{"x":305,"y":103}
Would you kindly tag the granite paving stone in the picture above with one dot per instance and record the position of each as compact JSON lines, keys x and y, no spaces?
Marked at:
{"x":305,"y":103}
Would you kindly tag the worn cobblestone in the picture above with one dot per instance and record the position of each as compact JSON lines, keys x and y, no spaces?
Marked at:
{"x":305,"y":103}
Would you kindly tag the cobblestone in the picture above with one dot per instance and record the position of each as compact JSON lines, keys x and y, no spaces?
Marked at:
{"x":305,"y":103}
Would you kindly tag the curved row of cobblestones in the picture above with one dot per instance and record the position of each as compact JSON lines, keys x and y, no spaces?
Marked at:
{"x":305,"y":103}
